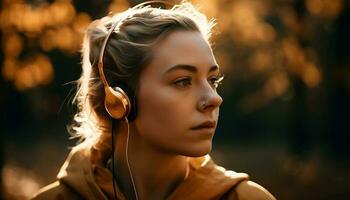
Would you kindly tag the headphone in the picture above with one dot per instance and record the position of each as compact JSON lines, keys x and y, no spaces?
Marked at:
{"x":117,"y":102}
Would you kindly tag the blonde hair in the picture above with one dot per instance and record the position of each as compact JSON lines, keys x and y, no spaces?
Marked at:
{"x":129,"y":49}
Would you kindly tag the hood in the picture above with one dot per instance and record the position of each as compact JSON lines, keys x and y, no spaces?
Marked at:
{"x":77,"y":173}
{"x":88,"y":177}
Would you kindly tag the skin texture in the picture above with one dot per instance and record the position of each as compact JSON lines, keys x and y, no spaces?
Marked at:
{"x":170,"y":103}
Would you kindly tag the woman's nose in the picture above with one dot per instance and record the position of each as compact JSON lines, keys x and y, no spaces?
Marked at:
{"x":210,"y":100}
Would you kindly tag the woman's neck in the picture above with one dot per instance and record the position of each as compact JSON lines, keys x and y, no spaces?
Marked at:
{"x":156,"y":173}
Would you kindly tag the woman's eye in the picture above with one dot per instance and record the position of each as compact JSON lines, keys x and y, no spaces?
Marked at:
{"x":216,"y":80}
{"x":183,"y":82}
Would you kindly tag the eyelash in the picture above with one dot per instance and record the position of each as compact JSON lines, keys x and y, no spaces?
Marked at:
{"x":215,"y":81}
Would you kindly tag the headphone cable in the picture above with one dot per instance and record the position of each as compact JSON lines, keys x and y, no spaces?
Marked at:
{"x":113,"y":149}
{"x":127,"y":159}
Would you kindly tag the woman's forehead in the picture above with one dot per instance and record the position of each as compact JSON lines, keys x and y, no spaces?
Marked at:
{"x":182,"y":48}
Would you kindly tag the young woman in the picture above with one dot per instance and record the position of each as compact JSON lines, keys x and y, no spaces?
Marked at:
{"x":147,"y":112}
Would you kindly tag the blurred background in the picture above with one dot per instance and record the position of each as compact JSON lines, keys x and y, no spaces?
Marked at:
{"x":285,"y":116}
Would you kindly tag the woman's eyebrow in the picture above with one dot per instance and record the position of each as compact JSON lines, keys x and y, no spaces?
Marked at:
{"x":190,"y":68}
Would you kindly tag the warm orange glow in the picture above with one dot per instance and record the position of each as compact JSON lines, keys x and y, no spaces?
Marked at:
{"x":299,"y":65}
{"x":58,"y":25}
{"x":24,"y":79}
{"x":265,"y":33}
{"x":30,"y":73}
{"x":62,"y":12}
{"x":12,"y":45}
{"x":276,"y":85}
{"x":223,"y":60}
{"x":244,"y":21}
{"x":293,"y":55}
{"x":118,"y":6}
{"x":31,"y":21}
{"x":80,"y":23}
{"x":314,"y":6}
{"x":247,"y":26}
{"x":64,"y":38}
{"x":311,"y":76}
{"x":324,"y":8}
{"x":261,"y":60}
{"x":54,"y":25}
{"x":289,"y":18}
{"x":46,"y":41}
{"x":44,"y":72}
{"x":19,"y":183}
{"x":9,"y":69}
{"x":209,"y":7}
{"x":34,"y":20}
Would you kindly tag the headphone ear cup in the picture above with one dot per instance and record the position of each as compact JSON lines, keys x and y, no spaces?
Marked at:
{"x":117,"y":103}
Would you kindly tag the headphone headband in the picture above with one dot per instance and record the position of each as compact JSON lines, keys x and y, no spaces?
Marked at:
{"x":114,"y":25}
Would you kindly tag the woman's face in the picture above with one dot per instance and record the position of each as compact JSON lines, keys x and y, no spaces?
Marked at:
{"x":177,"y":93}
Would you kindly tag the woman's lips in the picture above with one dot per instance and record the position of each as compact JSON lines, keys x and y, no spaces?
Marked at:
{"x":205,"y":125}
{"x":206,"y":129}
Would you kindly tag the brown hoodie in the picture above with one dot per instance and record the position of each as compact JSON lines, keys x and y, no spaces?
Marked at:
{"x":84,"y":175}
{"x":79,"y":178}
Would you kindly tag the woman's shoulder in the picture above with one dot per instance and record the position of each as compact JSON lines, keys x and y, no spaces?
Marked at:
{"x":249,"y":190}
{"x":225,"y":184}
{"x":56,"y":190}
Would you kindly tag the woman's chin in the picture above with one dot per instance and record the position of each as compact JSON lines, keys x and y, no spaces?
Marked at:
{"x":200,"y":150}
